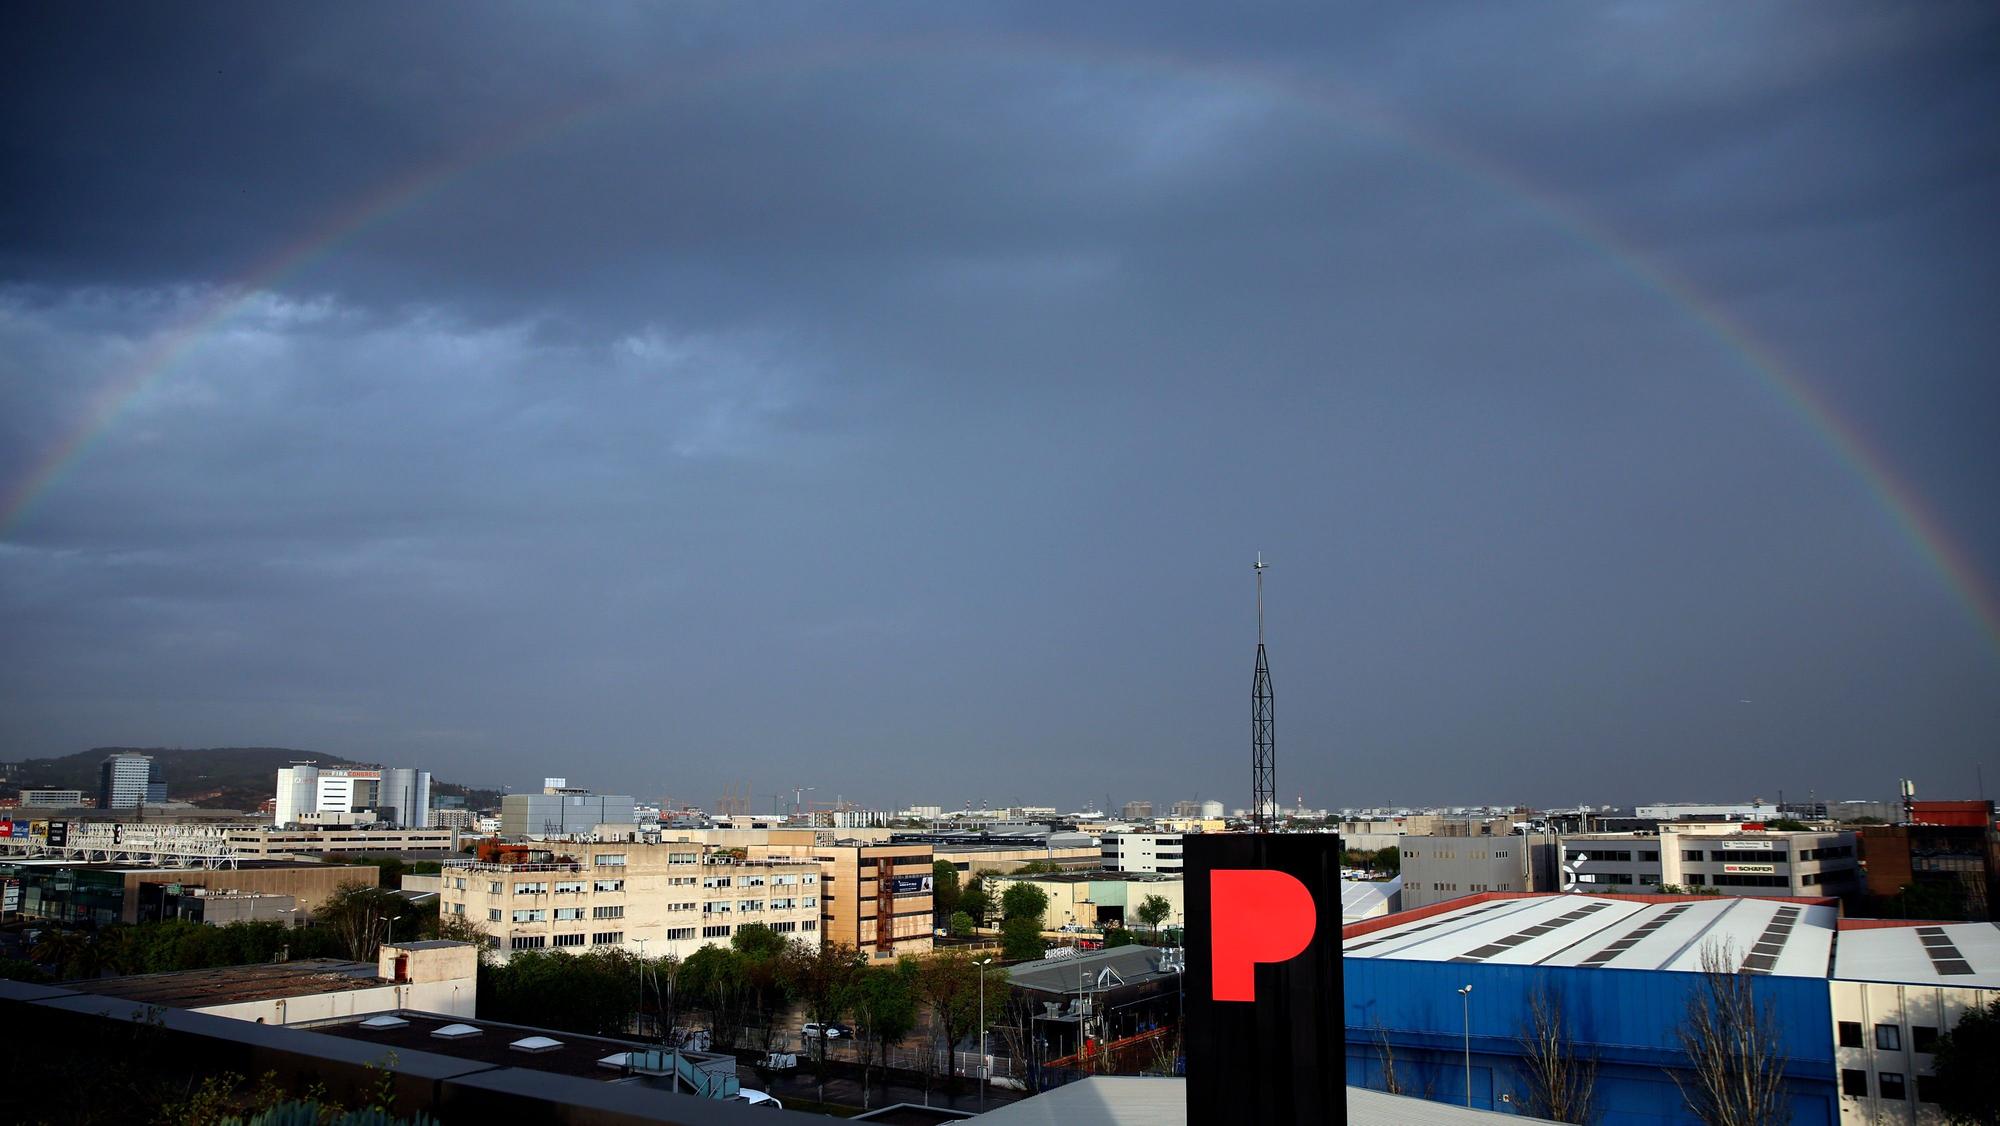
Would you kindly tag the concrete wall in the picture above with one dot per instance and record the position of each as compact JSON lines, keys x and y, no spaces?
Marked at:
{"x":1906,"y":1008}
{"x":309,"y":884}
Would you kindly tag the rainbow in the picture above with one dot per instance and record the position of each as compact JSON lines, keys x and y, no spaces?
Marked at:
{"x":1898,"y":499}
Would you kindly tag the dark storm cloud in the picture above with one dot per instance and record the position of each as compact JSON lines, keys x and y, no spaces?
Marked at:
{"x":890,"y":399}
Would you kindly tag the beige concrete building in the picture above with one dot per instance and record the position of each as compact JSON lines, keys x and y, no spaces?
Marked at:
{"x":877,"y":897}
{"x":432,"y":977}
{"x":1005,"y":859}
{"x":255,"y":843}
{"x":647,"y":898}
{"x":1091,"y":901}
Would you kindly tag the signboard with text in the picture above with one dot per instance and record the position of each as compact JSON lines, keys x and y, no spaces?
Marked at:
{"x":910,"y":885}
{"x":1266,"y":1016}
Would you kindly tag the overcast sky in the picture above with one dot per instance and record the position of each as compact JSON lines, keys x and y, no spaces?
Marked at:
{"x":892,"y":400}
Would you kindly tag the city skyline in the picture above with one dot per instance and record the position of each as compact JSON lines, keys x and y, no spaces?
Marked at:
{"x":896,"y":398}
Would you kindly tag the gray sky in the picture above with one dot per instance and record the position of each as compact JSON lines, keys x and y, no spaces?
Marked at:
{"x":891,"y":399}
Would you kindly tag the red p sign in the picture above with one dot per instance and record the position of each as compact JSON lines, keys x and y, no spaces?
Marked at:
{"x":1257,"y":915}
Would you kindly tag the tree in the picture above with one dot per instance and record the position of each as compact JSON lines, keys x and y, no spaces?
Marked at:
{"x":1021,"y":938}
{"x":1788,"y":825}
{"x":760,"y":955}
{"x":1038,"y":868}
{"x":1389,"y":860}
{"x":712,"y":979}
{"x":1562,"y":1085}
{"x":1153,"y":910}
{"x":1732,"y":1043}
{"x":961,"y":924}
{"x":1114,"y":937}
{"x":593,"y":993}
{"x":949,"y":987}
{"x":822,"y":980}
{"x":975,"y":901}
{"x":1968,"y":1085}
{"x":944,"y":890}
{"x":885,"y":1007}
{"x":361,"y":916}
{"x":1024,"y":901}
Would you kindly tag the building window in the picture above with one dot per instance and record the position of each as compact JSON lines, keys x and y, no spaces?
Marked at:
{"x":458,"y":908}
{"x":531,"y":915}
{"x":721,"y":931}
{"x":1850,"y":1034}
{"x":492,"y":914}
{"x":1853,"y":1083}
{"x":569,"y":887}
{"x":569,"y":940}
{"x":1690,"y":854}
{"x":677,"y":934}
{"x":1922,"y":1039}
{"x":529,"y":941}
{"x":609,"y":860}
{"x":1888,"y":1038}
{"x":1696,"y":879}
{"x":607,"y":938}
{"x":568,"y":914}
{"x":1889,"y":1084}
{"x":1927,"y":1088}
{"x":682,"y":857}
{"x":610,"y":885}
{"x":493,"y":887}
{"x":615,"y":912}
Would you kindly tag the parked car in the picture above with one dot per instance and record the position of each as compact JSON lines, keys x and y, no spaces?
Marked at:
{"x":833,"y":1031}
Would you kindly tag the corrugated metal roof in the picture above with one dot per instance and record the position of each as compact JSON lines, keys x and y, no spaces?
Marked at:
{"x":1966,"y":954}
{"x":1766,"y":936}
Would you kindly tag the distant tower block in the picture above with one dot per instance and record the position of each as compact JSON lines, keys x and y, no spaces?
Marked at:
{"x":1263,"y":735}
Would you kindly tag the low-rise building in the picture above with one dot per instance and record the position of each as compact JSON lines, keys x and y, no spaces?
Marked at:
{"x":654,"y":899}
{"x":333,"y":840}
{"x":1142,"y":852}
{"x":1094,"y":900}
{"x":1723,"y":857}
{"x":435,"y":976}
{"x":1896,"y":989}
{"x":100,"y":894}
{"x":1439,"y":868}
{"x":52,"y":799}
{"x":563,"y":811}
{"x":1935,"y":871}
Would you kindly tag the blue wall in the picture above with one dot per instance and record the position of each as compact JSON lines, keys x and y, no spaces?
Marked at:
{"x":1626,"y":1018}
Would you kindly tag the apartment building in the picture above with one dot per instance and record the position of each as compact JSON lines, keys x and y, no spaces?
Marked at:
{"x":651,"y":899}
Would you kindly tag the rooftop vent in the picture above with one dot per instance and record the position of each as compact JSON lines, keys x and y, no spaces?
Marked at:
{"x":377,"y":1024}
{"x":535,"y":1044}
{"x":455,"y":1032}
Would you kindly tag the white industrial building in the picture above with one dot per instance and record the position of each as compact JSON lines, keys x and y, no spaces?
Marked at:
{"x":1718,"y":856}
{"x":1895,"y":991}
{"x":1142,"y":852}
{"x":308,"y":795}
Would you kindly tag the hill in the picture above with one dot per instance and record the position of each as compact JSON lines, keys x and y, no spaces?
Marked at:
{"x":212,"y":777}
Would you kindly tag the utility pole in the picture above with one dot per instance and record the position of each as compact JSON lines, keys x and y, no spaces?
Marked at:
{"x":1263,"y":737}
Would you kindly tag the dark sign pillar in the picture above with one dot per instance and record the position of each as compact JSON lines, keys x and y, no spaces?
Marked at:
{"x":1266,"y":1032}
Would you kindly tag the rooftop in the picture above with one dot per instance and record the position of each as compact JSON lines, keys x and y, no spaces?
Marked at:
{"x":1786,"y":938}
{"x":194,"y":989}
{"x":495,"y":1042}
{"x":1119,"y":1100}
{"x":1964,"y":954}
{"x":1099,"y":877}
{"x":1128,"y":964}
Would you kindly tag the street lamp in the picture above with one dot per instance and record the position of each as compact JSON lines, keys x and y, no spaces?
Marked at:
{"x":639,"y":1015}
{"x":984,"y":1071}
{"x":1465,"y":995}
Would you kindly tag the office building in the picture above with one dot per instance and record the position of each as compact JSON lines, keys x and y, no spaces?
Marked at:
{"x":1141,"y":852}
{"x":877,"y":896}
{"x":308,"y":794}
{"x":659,"y":899}
{"x":1935,"y":871}
{"x":52,"y":799}
{"x":1728,"y":858}
{"x":1440,"y":868}
{"x":123,"y":779}
{"x":563,"y":811}
{"x":101,"y":894}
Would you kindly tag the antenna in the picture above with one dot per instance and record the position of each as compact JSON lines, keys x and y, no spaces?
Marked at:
{"x":1263,"y":738}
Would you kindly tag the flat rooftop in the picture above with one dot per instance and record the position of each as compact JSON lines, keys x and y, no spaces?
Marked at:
{"x":194,"y":989}
{"x":493,"y":1042}
{"x":1771,"y":936}
{"x":1964,"y":954}
{"x":1133,"y":1100}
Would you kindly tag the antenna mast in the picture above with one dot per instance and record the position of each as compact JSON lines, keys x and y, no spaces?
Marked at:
{"x":1263,"y":738}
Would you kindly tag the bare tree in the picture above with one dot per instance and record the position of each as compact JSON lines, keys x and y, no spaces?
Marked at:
{"x":1387,"y":1052}
{"x":1562,"y":1085}
{"x":1732,"y":1043}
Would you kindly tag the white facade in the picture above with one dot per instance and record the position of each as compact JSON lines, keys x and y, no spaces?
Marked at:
{"x":124,"y":779}
{"x":1713,"y":857}
{"x":52,"y":798}
{"x":399,"y":796}
{"x":1142,"y":852}
{"x":1895,"y":990}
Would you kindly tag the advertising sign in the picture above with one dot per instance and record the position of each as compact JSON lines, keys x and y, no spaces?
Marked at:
{"x":38,"y":832}
{"x":1266,"y":1015}
{"x":20,"y":830}
{"x":910,"y":885}
{"x":6,"y":828}
{"x":1759,"y":846}
{"x":1749,"y":867}
{"x":58,"y":834}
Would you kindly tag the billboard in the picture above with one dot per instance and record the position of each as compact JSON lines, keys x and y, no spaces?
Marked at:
{"x":1266,"y":1016}
{"x":910,"y":885}
{"x":6,"y":829}
{"x":58,"y":834}
{"x":1749,"y":867}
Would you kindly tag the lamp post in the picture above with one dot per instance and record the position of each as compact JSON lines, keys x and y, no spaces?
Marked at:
{"x":639,"y":1014}
{"x":983,"y":1070}
{"x":1465,"y":996}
